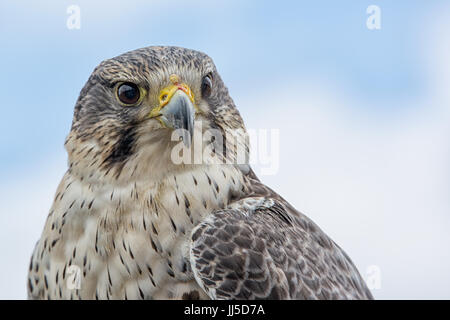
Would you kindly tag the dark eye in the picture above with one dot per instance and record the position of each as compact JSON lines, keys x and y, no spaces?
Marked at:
{"x":128,"y":93}
{"x":206,"y":86}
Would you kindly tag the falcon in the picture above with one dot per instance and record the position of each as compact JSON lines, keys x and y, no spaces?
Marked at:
{"x":130,"y":220}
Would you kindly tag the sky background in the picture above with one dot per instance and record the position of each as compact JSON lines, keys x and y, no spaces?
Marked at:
{"x":363,"y":115}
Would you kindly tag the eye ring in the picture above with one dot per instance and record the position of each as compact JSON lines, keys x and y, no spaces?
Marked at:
{"x":129,"y":94}
{"x":206,"y":87}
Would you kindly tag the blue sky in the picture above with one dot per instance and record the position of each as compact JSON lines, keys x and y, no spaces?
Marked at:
{"x":363,"y":115}
{"x":254,"y":44}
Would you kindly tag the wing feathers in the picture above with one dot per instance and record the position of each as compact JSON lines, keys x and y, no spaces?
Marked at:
{"x":258,"y":249}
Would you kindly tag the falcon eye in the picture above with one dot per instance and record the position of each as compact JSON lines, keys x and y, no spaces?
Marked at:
{"x":128,"y":93}
{"x":206,"y":85}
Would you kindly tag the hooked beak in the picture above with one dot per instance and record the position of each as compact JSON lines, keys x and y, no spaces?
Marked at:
{"x":176,"y":109}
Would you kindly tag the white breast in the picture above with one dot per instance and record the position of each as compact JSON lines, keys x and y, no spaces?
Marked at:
{"x":128,"y":241}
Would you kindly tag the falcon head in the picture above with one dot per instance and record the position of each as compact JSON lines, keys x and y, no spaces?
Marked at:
{"x":127,"y":112}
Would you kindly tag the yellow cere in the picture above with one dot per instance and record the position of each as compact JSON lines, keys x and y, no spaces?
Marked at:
{"x":167,"y":93}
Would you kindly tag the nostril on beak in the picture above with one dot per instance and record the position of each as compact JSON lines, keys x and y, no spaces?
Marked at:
{"x":178,"y":114}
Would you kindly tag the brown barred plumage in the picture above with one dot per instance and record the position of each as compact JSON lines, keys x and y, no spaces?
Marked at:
{"x":129,"y":223}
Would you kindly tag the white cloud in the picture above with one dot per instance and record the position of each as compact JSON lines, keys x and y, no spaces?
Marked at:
{"x":381,"y":192}
{"x":26,"y":201}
